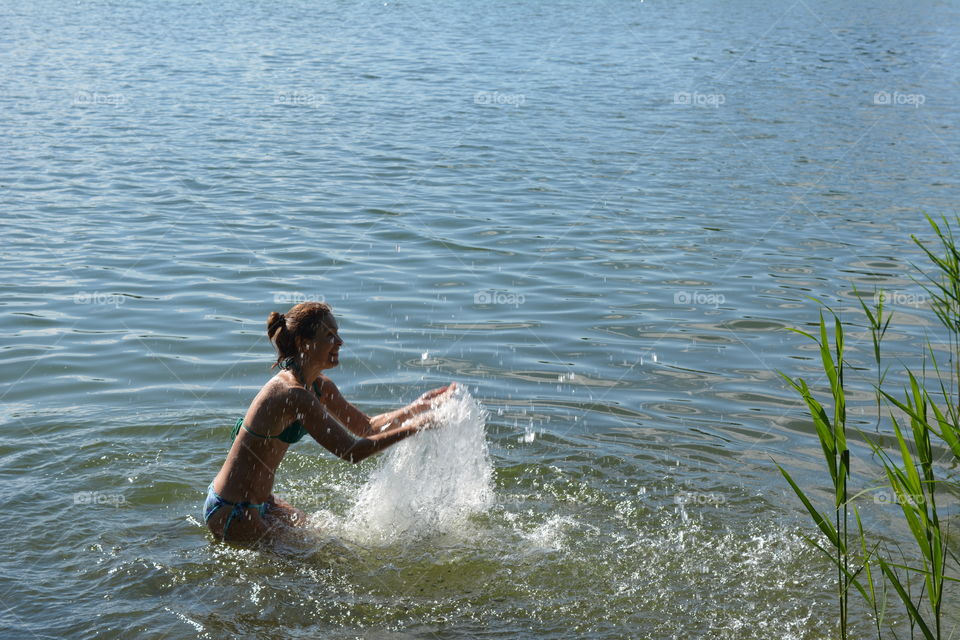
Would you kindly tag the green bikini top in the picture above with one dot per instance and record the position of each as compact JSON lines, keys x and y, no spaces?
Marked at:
{"x":293,"y":433}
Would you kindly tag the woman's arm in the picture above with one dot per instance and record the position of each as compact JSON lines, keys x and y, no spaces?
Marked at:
{"x":419,"y":407}
{"x":358,"y":422}
{"x":349,"y":416}
{"x":333,"y":437}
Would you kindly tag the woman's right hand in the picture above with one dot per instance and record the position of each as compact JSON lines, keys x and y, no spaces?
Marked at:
{"x":423,"y":421}
{"x":428,"y":399}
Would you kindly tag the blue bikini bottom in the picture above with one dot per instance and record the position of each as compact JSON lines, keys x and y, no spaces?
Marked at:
{"x":214,"y":502}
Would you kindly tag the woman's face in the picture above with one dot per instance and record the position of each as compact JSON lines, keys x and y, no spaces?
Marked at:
{"x":324,"y":347}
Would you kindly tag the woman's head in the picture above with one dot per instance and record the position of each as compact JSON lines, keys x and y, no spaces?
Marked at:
{"x":307,"y":330}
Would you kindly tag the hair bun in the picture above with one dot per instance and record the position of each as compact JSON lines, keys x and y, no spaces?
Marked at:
{"x":275,"y":322}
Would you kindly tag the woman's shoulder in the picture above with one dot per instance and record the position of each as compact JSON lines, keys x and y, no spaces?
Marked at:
{"x":279,"y":390}
{"x":323,"y":382}
{"x":279,"y":402}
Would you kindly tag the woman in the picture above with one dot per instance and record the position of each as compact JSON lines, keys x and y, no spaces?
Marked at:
{"x":298,"y":400}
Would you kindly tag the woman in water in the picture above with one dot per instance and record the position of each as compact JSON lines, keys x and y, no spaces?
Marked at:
{"x":298,"y":400}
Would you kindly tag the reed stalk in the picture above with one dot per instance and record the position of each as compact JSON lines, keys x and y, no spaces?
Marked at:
{"x":910,"y":466}
{"x":833,"y":442}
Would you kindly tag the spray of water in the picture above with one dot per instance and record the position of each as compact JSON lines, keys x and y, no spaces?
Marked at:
{"x":430,"y":483}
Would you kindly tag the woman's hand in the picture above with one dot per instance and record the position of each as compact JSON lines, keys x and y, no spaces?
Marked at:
{"x":388,"y":421}
{"x":423,"y":421}
{"x":430,"y":398}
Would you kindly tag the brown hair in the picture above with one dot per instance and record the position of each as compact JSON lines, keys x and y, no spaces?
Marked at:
{"x":303,"y":320}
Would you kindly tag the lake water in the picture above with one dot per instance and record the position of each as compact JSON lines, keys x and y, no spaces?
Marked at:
{"x":599,"y":217}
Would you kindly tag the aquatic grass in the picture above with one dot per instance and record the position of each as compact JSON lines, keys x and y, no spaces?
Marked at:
{"x":946,"y":424}
{"x":833,"y":442}
{"x":943,"y":286}
{"x":876,"y":598}
{"x":909,"y":465}
{"x":878,"y":324}
{"x":945,"y":289}
{"x":914,"y":485}
{"x":913,"y":489}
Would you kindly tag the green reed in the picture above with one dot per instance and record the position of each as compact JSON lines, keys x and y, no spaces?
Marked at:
{"x":878,"y":323}
{"x":914,"y":485}
{"x":833,"y":442}
{"x":944,"y":289}
{"x":909,"y":466}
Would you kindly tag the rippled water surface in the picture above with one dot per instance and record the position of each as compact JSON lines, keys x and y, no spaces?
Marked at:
{"x":599,"y":217}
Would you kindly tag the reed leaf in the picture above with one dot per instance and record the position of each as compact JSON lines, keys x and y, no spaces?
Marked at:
{"x":820,"y":519}
{"x":906,"y":599}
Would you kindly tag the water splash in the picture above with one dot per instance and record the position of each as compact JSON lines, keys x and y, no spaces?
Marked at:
{"x":432,"y":482}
